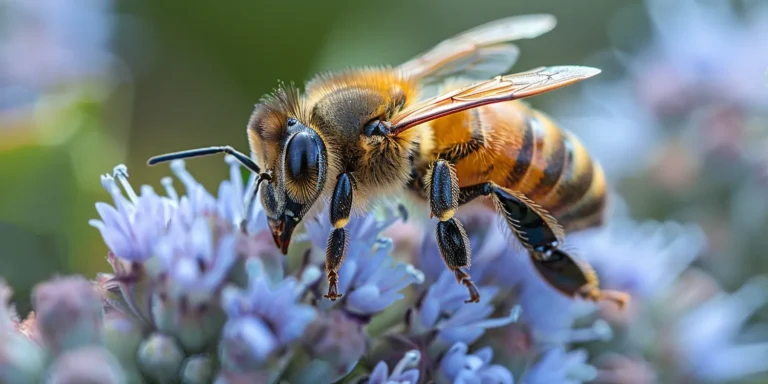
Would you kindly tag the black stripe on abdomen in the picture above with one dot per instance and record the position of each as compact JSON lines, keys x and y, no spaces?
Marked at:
{"x":574,"y":183}
{"x":524,"y":156}
{"x":556,"y":165}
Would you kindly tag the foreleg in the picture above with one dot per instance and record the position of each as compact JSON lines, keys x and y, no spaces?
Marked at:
{"x":340,"y":210}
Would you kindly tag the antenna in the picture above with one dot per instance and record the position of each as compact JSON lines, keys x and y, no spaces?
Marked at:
{"x":242,"y":158}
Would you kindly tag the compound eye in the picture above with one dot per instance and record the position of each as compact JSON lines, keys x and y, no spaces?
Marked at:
{"x":303,"y":156}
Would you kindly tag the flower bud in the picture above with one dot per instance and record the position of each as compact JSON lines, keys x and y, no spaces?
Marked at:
{"x":197,"y":370}
{"x":133,"y":282}
{"x":337,"y":340}
{"x":86,"y":365}
{"x":69,"y":313}
{"x":21,"y":360}
{"x":160,"y":358}
{"x":122,"y":334}
{"x":193,"y":321}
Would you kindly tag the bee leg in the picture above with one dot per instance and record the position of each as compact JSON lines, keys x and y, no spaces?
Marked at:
{"x":340,"y":209}
{"x":443,"y":189}
{"x":575,"y":278}
{"x":541,"y":235}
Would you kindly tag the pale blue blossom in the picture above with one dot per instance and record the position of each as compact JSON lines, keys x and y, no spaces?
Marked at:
{"x":458,"y":366}
{"x":262,"y":319}
{"x":557,"y":365}
{"x":443,"y":310}
{"x":402,"y":373}
{"x":369,"y":278}
{"x":712,"y":341}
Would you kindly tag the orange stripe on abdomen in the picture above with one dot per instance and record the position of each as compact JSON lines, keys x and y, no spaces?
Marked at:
{"x":550,"y":159}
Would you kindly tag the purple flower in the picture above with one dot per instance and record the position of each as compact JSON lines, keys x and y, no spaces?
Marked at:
{"x":557,"y":365}
{"x":90,"y":364}
{"x":401,"y":374}
{"x":708,"y":336}
{"x":443,"y":310}
{"x":185,"y":301}
{"x":172,"y":254}
{"x":133,"y":226}
{"x":262,"y":319}
{"x":370,"y":279}
{"x":337,"y":339}
{"x":69,"y":313}
{"x":459,"y":367}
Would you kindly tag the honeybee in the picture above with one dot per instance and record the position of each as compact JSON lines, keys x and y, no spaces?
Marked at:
{"x":357,"y":135}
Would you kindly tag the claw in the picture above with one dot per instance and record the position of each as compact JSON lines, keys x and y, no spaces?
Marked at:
{"x":474,"y":295}
{"x":333,"y":289}
{"x":621,"y":299}
{"x":463,"y":278}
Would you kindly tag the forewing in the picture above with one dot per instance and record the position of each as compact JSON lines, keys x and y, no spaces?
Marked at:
{"x":479,"y":53}
{"x":502,"y":88}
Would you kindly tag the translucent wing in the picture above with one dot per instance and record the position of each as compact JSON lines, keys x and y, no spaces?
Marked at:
{"x":502,"y":88}
{"x":479,"y":53}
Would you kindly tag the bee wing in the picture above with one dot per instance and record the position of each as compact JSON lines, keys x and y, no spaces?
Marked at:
{"x":481,"y":52}
{"x":502,"y":88}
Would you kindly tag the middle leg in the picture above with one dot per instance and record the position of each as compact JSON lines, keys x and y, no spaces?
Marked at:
{"x":443,"y":193}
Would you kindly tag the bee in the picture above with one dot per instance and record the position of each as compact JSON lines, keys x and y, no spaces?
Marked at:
{"x":357,"y":135}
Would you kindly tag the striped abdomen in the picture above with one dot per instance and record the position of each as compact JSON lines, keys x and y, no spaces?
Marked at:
{"x":523,"y":150}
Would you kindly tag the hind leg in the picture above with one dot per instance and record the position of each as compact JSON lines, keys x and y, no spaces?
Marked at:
{"x":542,"y":236}
{"x":443,"y":191}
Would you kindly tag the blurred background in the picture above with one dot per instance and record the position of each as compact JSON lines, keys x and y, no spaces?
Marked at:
{"x":678,"y":116}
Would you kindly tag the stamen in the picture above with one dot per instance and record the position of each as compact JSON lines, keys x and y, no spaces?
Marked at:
{"x":513,"y":316}
{"x":600,"y":330}
{"x":167,"y":183}
{"x":515,"y":313}
{"x":178,"y":167}
{"x":120,"y":172}
{"x":410,"y":360}
{"x":413,"y":275}
{"x":417,"y":274}
{"x":108,"y":182}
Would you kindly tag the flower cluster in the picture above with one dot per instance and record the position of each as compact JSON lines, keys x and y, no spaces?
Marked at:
{"x":199,"y":293}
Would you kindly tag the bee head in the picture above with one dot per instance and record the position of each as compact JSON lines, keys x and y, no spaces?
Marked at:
{"x":295,"y":154}
{"x":300,"y":179}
